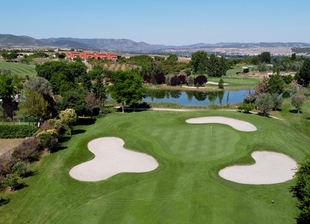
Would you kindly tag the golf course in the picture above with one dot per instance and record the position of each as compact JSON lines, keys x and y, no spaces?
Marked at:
{"x":181,"y":184}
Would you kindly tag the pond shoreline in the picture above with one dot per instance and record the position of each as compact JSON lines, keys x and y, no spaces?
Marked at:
{"x":209,"y":87}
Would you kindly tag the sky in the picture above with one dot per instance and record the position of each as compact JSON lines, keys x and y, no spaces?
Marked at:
{"x":170,"y":22}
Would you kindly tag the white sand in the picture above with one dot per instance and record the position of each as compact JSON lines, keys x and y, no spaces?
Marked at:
{"x":216,"y":83}
{"x":270,"y":168}
{"x":110,"y":159}
{"x":234,"y":123}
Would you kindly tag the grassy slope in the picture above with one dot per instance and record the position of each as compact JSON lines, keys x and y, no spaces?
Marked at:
{"x":18,"y":68}
{"x":184,"y":189}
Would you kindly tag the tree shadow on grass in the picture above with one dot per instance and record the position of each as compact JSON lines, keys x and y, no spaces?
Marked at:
{"x":63,"y":139}
{"x":58,"y":148}
{"x":295,"y":111}
{"x":78,"y":131}
{"x":20,"y":186}
{"x":85,"y":121}
{"x":4,"y":201}
{"x":263,"y":115}
{"x":29,"y":173}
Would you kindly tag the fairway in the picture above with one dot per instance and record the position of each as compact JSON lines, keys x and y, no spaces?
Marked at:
{"x":235,"y":82}
{"x":19,"y":69}
{"x":184,"y":188}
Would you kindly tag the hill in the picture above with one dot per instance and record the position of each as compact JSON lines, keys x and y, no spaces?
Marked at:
{"x":130,"y":46}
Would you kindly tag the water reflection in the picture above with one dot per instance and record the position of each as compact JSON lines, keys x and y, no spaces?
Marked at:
{"x":197,"y":97}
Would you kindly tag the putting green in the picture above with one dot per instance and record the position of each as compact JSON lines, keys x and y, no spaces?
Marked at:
{"x":185,"y":188}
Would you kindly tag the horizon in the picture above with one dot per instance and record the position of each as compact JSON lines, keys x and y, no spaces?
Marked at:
{"x":90,"y":38}
{"x":173,"y":23}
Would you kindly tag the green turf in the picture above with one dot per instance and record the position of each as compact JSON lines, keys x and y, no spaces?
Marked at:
{"x":235,"y":82}
{"x":18,"y":68}
{"x":185,"y":188}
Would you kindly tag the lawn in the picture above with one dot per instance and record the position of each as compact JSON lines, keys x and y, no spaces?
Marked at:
{"x":185,"y":188}
{"x":236,"y":82}
{"x":18,"y":68}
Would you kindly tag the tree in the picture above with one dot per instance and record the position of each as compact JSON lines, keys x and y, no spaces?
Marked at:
{"x":301,"y":191}
{"x":34,"y":105}
{"x":199,"y":61}
{"x":127,"y":88}
{"x":6,"y":92}
{"x":100,"y":90}
{"x":297,"y":101}
{"x":42,"y":86}
{"x":216,"y":66}
{"x":265,"y":57}
{"x":74,"y":99}
{"x":75,"y":70}
{"x":50,"y":68}
{"x":264,"y":103}
{"x":262,"y":86}
{"x":9,"y":56}
{"x":60,"y":84}
{"x":91,"y":102}
{"x":276,"y":84}
{"x":303,"y":76}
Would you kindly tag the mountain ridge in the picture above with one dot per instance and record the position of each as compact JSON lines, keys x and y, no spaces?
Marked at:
{"x":127,"y":45}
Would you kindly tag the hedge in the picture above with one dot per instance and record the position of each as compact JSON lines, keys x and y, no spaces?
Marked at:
{"x":17,"y":131}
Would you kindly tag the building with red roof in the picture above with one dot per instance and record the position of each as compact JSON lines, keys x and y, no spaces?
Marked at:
{"x":95,"y":55}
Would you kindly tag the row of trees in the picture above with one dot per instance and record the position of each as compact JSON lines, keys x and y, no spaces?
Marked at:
{"x":213,"y":66}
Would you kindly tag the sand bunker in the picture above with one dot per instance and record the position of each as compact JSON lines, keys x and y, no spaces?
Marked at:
{"x":270,"y":168}
{"x":110,"y":159}
{"x":234,"y":123}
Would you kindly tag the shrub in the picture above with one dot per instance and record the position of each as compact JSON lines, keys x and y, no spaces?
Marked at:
{"x":277,"y":102}
{"x":245,"y":107}
{"x":221,"y":84}
{"x":200,"y":80}
{"x":287,"y":79}
{"x":250,"y":99}
{"x":29,"y":150}
{"x":68,"y":116}
{"x":107,"y":110}
{"x":160,"y":78}
{"x":20,"y":168}
{"x":297,"y":101}
{"x":147,"y":78}
{"x":175,"y":81}
{"x":264,"y":103}
{"x":48,"y":138}
{"x":6,"y":166}
{"x":190,"y":80}
{"x":17,"y":131}
{"x":182,"y":79}
{"x":11,"y":180}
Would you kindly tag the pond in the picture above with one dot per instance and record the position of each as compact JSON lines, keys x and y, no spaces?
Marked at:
{"x":197,"y":98}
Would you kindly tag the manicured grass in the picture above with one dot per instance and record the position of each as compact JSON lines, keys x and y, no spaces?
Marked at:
{"x":18,"y":68}
{"x":236,"y":82}
{"x":185,"y":188}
